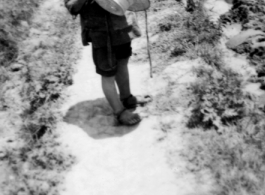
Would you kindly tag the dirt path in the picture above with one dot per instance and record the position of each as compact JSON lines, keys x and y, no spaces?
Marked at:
{"x":122,"y":160}
{"x":135,"y":160}
{"x":111,"y":160}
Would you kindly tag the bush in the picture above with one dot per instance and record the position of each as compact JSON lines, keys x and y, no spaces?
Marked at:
{"x":182,"y":32}
{"x":46,"y":50}
{"x":15,"y":17}
{"x":219,"y":99}
{"x":235,"y":157}
{"x":36,"y":170}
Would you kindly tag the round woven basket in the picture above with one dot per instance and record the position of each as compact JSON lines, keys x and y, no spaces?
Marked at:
{"x":118,"y":7}
{"x":139,"y":5}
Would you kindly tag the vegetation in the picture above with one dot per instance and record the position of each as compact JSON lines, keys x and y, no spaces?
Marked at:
{"x":226,"y":125}
{"x":219,"y":99}
{"x":179,"y":34}
{"x":233,"y":150}
{"x":39,"y":50}
{"x":250,"y":14}
{"x":14,"y":27}
{"x":36,"y":170}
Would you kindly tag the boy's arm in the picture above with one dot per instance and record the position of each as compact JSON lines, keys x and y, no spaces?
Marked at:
{"x":74,"y":6}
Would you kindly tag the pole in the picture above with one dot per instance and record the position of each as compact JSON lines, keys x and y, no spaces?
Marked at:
{"x":148,"y":45}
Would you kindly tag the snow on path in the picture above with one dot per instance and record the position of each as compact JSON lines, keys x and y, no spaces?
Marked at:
{"x":112,"y":160}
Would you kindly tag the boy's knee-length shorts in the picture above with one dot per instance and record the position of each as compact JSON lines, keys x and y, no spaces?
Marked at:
{"x":102,"y":59}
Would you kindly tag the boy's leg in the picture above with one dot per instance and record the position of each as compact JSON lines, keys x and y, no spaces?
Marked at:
{"x":122,"y":78}
{"x":110,"y":91}
{"x":123,"y":81}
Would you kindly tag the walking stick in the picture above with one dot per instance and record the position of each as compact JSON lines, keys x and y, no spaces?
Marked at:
{"x":148,"y":46}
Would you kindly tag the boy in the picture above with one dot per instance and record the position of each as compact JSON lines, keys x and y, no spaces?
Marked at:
{"x":111,"y":50}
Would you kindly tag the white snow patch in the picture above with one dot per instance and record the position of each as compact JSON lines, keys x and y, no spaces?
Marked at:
{"x":237,"y":62}
{"x":216,"y":8}
{"x":244,"y":36}
{"x":232,"y":30}
{"x":254,"y":88}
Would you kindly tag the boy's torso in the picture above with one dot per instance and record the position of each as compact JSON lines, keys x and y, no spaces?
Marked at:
{"x":100,"y":24}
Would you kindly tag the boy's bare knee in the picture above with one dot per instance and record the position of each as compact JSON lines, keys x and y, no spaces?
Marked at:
{"x":108,"y":79}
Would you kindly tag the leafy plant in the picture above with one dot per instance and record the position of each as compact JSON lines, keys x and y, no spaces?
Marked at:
{"x":201,"y":28}
{"x":235,"y":157}
{"x":219,"y":99}
{"x":35,"y":91}
{"x":36,"y":169}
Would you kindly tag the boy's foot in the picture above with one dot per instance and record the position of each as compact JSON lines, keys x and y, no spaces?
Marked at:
{"x":125,"y":117}
{"x":132,"y":101}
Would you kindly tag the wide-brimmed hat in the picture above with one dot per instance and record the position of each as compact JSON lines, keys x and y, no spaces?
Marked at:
{"x":139,"y":5}
{"x":119,"y":7}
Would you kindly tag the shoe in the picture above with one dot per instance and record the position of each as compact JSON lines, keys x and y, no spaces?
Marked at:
{"x":125,"y":117}
{"x":132,"y":101}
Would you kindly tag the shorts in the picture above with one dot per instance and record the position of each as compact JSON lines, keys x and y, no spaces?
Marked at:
{"x":102,"y":61}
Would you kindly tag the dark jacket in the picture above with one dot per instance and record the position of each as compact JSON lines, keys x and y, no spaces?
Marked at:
{"x":99,"y":26}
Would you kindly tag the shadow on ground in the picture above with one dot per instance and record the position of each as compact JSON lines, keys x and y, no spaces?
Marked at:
{"x":95,"y":117}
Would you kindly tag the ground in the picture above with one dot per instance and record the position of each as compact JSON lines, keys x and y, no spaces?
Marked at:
{"x":122,"y":159}
{"x":127,"y":160}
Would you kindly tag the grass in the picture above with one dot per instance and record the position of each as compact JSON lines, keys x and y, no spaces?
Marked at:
{"x":177,"y":34}
{"x":251,"y":16}
{"x":37,"y":61}
{"x":219,"y":98}
{"x":36,"y":170}
{"x":226,"y":134}
{"x":14,"y":27}
{"x":235,"y":157}
{"x":233,"y":148}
